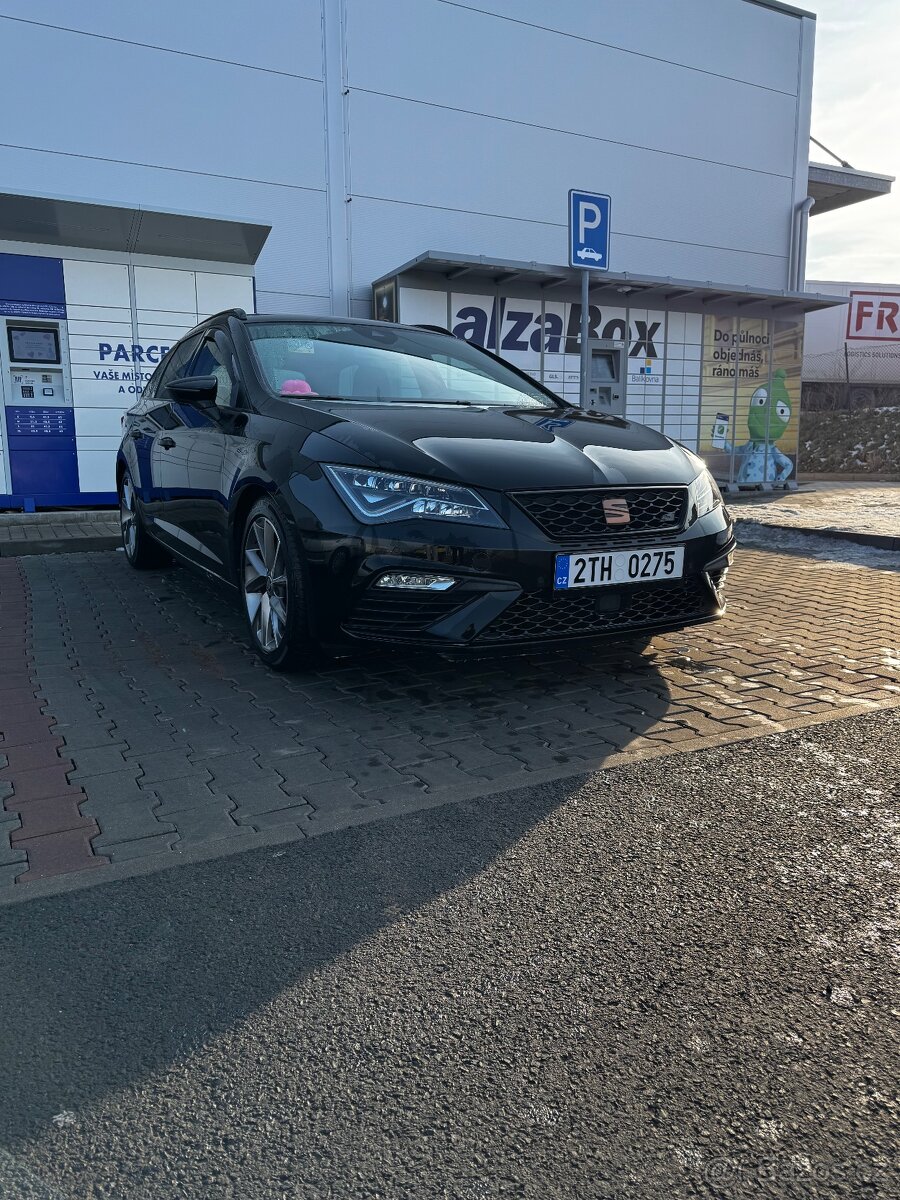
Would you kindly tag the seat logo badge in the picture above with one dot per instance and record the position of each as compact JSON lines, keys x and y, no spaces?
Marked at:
{"x":615,"y":510}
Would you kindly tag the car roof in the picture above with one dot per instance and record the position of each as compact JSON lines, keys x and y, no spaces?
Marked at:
{"x":302,"y":318}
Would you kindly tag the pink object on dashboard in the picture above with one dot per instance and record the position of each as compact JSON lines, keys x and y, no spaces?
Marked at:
{"x":296,"y":387}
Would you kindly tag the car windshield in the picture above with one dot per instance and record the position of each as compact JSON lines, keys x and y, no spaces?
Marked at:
{"x":378,"y":364}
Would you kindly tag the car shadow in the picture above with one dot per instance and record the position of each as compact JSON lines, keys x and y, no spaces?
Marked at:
{"x":106,"y":985}
{"x":111,"y":983}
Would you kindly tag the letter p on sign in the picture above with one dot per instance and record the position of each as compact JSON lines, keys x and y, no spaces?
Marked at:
{"x":589,"y":230}
{"x":588,"y":218}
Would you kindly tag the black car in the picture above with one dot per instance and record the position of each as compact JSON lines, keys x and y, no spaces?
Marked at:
{"x":363,"y":480}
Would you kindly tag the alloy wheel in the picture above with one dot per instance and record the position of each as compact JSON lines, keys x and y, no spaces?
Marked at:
{"x":128,"y":516}
{"x":265,"y":584}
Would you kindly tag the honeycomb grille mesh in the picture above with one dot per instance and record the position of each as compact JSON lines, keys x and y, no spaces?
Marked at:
{"x":539,"y":615}
{"x":385,"y":612}
{"x":577,"y":517}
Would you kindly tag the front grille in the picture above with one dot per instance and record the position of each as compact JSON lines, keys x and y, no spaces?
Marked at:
{"x":577,"y":517}
{"x":389,"y":612}
{"x":537,"y":615}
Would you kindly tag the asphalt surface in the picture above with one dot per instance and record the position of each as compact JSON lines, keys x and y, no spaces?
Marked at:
{"x":667,"y":979}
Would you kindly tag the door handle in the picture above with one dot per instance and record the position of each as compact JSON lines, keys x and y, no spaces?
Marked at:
{"x":167,"y":443}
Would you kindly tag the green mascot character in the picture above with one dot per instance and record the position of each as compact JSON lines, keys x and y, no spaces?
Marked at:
{"x":768,"y":418}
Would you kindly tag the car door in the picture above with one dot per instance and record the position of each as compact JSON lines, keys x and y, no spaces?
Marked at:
{"x":212,"y":442}
{"x":169,"y":505}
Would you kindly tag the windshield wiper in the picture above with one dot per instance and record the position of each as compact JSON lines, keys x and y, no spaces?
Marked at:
{"x":311,"y":397}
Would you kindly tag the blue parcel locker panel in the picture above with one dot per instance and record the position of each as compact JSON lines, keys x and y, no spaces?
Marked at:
{"x":32,"y":286}
{"x":42,"y":456}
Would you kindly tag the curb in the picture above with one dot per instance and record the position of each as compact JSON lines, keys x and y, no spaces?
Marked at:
{"x":100,"y":541}
{"x":879,"y":541}
{"x":60,"y":516}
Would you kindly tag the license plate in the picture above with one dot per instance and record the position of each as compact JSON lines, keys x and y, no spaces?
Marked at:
{"x":606,"y":568}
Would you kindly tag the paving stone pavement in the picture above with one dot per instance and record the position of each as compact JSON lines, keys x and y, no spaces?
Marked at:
{"x":164,"y":737}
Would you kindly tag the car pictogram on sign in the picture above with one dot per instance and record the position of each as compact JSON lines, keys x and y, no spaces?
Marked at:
{"x":586,"y":253}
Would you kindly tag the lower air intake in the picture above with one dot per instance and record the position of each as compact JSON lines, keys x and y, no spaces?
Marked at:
{"x":540,"y":615}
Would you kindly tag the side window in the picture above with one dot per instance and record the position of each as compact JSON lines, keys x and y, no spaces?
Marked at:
{"x":152,"y":383}
{"x":211,"y":361}
{"x":176,"y":364}
{"x":164,"y":417}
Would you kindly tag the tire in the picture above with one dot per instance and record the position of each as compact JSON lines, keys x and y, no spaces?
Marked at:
{"x":141,"y":551}
{"x":274,"y":590}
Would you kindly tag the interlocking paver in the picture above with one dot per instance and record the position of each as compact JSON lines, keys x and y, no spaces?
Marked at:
{"x":29,"y":755}
{"x":10,"y":873}
{"x":52,"y":815}
{"x":181,"y":795}
{"x":84,"y":735}
{"x":139,"y":848}
{"x":126,"y":818}
{"x":179,"y":736}
{"x":98,"y":760}
{"x":207,"y":823}
{"x":301,"y":770}
{"x":39,"y":783}
{"x":251,"y":800}
{"x":169,"y":764}
{"x":9,"y":852}
{"x":296,"y":814}
{"x":61,"y":854}
{"x":237,"y":767}
{"x":336,"y":797}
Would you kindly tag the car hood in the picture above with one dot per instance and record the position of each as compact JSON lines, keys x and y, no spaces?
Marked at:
{"x":503,"y":449}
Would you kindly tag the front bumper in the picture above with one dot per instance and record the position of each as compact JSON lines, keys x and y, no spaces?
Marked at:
{"x":504,"y":593}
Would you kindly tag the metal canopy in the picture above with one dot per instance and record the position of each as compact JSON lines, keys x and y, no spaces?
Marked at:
{"x":619,"y":289}
{"x":131,"y":229}
{"x":836,"y":187}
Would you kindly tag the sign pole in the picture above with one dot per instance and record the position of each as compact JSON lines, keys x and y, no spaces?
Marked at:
{"x":588,"y":243}
{"x":585,"y":326}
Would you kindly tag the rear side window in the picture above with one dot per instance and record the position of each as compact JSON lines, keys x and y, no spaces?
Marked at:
{"x":176,"y":363}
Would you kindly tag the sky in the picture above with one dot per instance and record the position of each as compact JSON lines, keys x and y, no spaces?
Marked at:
{"x":856,"y":113}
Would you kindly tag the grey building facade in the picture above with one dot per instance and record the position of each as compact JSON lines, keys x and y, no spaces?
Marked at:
{"x":294,"y":154}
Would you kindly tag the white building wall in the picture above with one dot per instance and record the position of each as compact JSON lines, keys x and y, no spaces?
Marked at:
{"x":688,"y":115}
{"x":435,"y":124}
{"x":211,"y":107}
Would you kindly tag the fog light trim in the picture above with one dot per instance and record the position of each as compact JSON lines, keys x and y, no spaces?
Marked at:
{"x":413,"y":582}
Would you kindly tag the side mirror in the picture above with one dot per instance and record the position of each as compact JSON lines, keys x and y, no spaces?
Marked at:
{"x":195,"y":389}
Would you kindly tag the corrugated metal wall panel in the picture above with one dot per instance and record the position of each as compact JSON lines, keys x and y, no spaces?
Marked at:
{"x":727,"y":37}
{"x":288,"y":40}
{"x":386,"y":234}
{"x":530,"y":75}
{"x":162,"y":110}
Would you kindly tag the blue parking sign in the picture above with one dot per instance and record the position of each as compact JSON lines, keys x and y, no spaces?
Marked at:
{"x":589,"y":230}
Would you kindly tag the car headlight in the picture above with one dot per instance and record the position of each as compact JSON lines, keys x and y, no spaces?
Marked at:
{"x":376,"y":496}
{"x":703,"y":495}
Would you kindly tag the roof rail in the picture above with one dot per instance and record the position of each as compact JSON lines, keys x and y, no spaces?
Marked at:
{"x":226,"y":312}
{"x":434,"y":329}
{"x":229,"y":312}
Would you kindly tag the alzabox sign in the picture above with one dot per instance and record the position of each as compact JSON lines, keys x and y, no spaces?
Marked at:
{"x":519,"y":326}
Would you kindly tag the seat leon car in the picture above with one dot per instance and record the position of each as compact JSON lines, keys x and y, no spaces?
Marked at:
{"x":357,"y":480}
